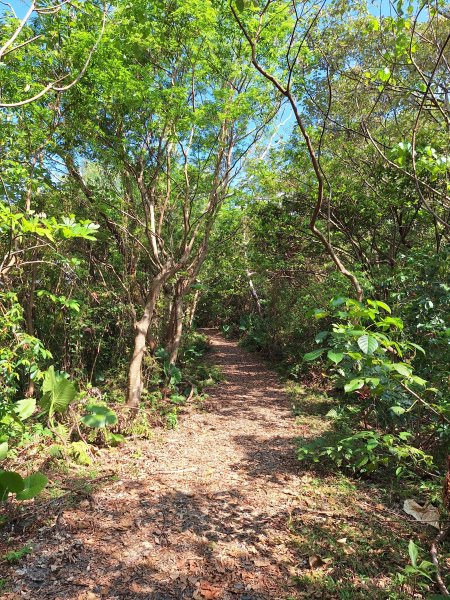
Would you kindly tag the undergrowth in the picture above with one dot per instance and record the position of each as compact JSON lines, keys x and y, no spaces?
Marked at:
{"x":350,"y":533}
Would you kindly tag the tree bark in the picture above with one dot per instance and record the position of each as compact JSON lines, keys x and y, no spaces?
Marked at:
{"x":141,"y":329}
{"x":29,"y":321}
{"x":176,"y":326}
{"x":192,"y":309}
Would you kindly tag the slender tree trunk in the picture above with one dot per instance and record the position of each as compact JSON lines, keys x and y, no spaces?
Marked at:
{"x":192,"y":309}
{"x":249,"y":274}
{"x":253,"y":292}
{"x":141,"y":329}
{"x":177,"y":328}
{"x":30,"y":321}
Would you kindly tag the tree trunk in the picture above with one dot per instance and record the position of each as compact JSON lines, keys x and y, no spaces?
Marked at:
{"x":254,"y":293}
{"x":141,"y":329}
{"x":192,"y":309}
{"x":29,"y":321}
{"x":177,"y":327}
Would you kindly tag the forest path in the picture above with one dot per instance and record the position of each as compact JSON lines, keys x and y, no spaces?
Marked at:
{"x":200,"y":513}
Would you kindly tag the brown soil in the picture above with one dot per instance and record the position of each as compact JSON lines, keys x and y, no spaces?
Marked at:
{"x":202,"y":512}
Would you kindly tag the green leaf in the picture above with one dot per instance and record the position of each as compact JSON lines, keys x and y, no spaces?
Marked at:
{"x":355,"y":355}
{"x":240,"y":5}
{"x":335,"y":302}
{"x":417,"y":347}
{"x":314,"y":354}
{"x":11,"y":481}
{"x":116,"y":439}
{"x":175,"y":375}
{"x":368,"y":344}
{"x":321,"y":336}
{"x":374,"y":24}
{"x":395,"y":321}
{"x":402,"y":369}
{"x":59,"y":392}
{"x":419,"y":380}
{"x":335,"y":356}
{"x":413,"y":553}
{"x":99,"y":416}
{"x":383,"y":305}
{"x":32,"y":486}
{"x":3,"y":450}
{"x":397,"y":410}
{"x":25,"y":408}
{"x":384,"y":74}
{"x":354,"y":384}
{"x":332,"y":414}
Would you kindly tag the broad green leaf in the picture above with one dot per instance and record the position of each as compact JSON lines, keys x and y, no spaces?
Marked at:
{"x":99,"y":416}
{"x":240,"y":5}
{"x":314,"y":354}
{"x":59,"y":392}
{"x":25,"y":408}
{"x":3,"y":450}
{"x":402,"y":369}
{"x":12,"y":481}
{"x":32,"y":486}
{"x":354,"y":384}
{"x":335,"y":356}
{"x":368,"y":344}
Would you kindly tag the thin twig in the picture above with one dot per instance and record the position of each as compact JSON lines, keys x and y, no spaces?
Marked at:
{"x":435,"y":558}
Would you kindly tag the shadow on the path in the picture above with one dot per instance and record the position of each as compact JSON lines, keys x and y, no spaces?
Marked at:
{"x":180,"y":545}
{"x":160,"y":547}
{"x":251,"y":389}
{"x":143,"y":539}
{"x":271,"y":459}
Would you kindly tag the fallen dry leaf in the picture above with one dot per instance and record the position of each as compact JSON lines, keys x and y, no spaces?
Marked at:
{"x":423,"y":514}
{"x":206,"y":591}
{"x":315,"y":562}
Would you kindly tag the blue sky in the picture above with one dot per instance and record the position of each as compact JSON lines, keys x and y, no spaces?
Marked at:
{"x":21,"y":6}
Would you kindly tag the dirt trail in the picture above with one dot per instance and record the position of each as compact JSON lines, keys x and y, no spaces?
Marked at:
{"x":200,"y":513}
